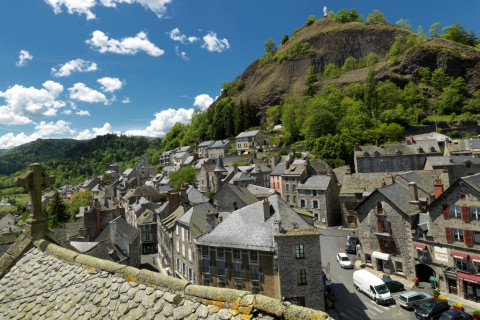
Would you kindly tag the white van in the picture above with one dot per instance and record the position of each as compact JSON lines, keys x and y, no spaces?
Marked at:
{"x":372,"y":286}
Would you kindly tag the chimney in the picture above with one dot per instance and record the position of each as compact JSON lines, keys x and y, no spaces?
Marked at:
{"x":410,"y":140}
{"x":276,"y":225}
{"x":349,"y":170}
{"x":173,"y":200}
{"x":329,"y":172}
{"x":412,"y":190}
{"x":99,"y":220}
{"x":383,"y":182}
{"x":235,"y":168}
{"x":266,"y":159}
{"x":388,"y":178}
{"x":357,"y":146}
{"x":113,"y":231}
{"x":377,"y":144}
{"x":183,"y":191}
{"x":266,"y":209}
{"x":438,"y":187}
{"x":210,"y":221}
{"x":287,"y":164}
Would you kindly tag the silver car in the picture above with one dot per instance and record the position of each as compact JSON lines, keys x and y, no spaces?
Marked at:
{"x":411,"y":299}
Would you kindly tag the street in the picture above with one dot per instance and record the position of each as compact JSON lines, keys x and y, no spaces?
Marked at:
{"x":351,"y":304}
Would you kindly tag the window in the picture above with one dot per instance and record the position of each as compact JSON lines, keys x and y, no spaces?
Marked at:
{"x":314,"y":193}
{"x":176,"y":229}
{"x":398,"y":266}
{"x":190,"y":258}
{"x":189,"y":236}
{"x":299,"y":251}
{"x":461,"y":264}
{"x":315,"y":204}
{"x":302,"y":204}
{"x":288,"y":198}
{"x":455,"y":211}
{"x":294,"y":199}
{"x":379,"y":208}
{"x":183,"y":250}
{"x":190,"y":277}
{"x":301,"y":277}
{"x":178,"y":246}
{"x":220,"y":253}
{"x":221,"y":271}
{"x":254,"y":272}
{"x":475,"y":213}
{"x":287,"y":187}
{"x":294,"y":187}
{"x":236,"y":254}
{"x":206,"y":265}
{"x":358,"y":196}
{"x":237,"y":270}
{"x":457,"y":234}
{"x":183,"y":234}
{"x":253,"y":256}
{"x":476,"y":237}
{"x":204,"y":251}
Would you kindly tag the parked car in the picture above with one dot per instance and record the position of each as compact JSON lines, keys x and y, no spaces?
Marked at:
{"x":455,"y":315}
{"x":351,"y":246}
{"x":342,"y":258}
{"x":372,"y":286}
{"x":431,"y":309}
{"x":393,"y":285}
{"x":411,"y":299}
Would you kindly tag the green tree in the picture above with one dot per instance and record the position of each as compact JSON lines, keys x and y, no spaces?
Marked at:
{"x":435,"y":30}
{"x":376,"y":17}
{"x":310,"y":80}
{"x":274,"y":114}
{"x":320,"y":123}
{"x":370,"y":93}
{"x":354,"y":16}
{"x":284,"y":38}
{"x":78,"y":200}
{"x":349,"y":64}
{"x":56,"y":211}
{"x":372,"y":59}
{"x":456,"y":33}
{"x":270,"y":46}
{"x":450,"y":101}
{"x":420,"y":30}
{"x":290,"y":127}
{"x":343,"y":15}
{"x":184,"y":175}
{"x":404,"y":24}
{"x":311,"y":19}
{"x":331,"y":71}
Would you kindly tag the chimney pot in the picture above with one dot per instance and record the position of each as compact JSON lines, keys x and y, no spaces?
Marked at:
{"x":287,"y":164}
{"x":438,"y":188}
{"x":377,"y":144}
{"x":412,"y":187}
{"x":357,"y":146}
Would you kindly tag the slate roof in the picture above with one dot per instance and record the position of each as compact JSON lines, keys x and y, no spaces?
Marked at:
{"x":431,"y":136}
{"x":169,"y":221}
{"x":147,"y":217}
{"x":440,"y":161}
{"x":419,"y":147}
{"x":246,"y":229}
{"x":473,"y":181}
{"x":219,"y":144}
{"x":400,"y":197}
{"x":320,"y":166}
{"x":125,"y":230}
{"x":362,"y":182}
{"x":195,"y":196}
{"x":205,"y":144}
{"x":260,"y":192}
{"x":196,"y":219}
{"x":316,"y":182}
{"x":246,"y":134}
{"x":242,"y":193}
{"x":240,"y":176}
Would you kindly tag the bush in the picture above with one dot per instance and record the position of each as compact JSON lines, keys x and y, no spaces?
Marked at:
{"x":436,"y":292}
{"x":476,"y":313}
{"x":283,"y":152}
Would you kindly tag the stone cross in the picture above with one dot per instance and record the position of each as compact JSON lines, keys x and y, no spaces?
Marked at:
{"x":34,"y":181}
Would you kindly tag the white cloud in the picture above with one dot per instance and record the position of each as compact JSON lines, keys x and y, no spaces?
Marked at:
{"x":163,"y":121}
{"x":78,"y":65}
{"x":11,"y":140}
{"x":213,"y":44}
{"x":23,"y":103}
{"x":87,"y":134}
{"x":74,"y":6}
{"x":48,"y":129}
{"x":177,"y":36}
{"x":81,"y":92}
{"x":23,"y":56}
{"x":67,"y":112}
{"x":110,"y":84}
{"x":203,"y":101}
{"x":83,"y":113}
{"x":86,"y":6}
{"x":126,"y":100}
{"x":157,"y":6}
{"x":129,"y":45}
{"x":181,"y":54}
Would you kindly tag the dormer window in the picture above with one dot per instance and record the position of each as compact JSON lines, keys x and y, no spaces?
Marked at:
{"x":376,"y":153}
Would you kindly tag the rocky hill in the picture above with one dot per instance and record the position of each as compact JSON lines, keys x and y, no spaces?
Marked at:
{"x":264,"y":82}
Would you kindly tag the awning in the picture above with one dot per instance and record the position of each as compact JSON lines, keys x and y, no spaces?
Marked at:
{"x":475,"y":258}
{"x":459,"y":255}
{"x":469,"y":278}
{"x":380,"y":255}
{"x":420,"y":246}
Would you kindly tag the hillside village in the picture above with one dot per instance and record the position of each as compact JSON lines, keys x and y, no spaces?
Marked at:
{"x":414,"y":207}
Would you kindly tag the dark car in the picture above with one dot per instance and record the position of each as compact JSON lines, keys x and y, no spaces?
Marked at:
{"x":351,"y":246}
{"x":431,"y":309}
{"x":455,"y":315}
{"x":393,"y":285}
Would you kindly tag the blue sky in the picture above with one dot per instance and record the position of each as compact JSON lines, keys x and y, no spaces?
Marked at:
{"x":80,"y":68}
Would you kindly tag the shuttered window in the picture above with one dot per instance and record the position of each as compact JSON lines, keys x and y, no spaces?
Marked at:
{"x":465,"y":213}
{"x":446,"y":212}
{"x":448,"y":234}
{"x":389,"y":224}
{"x":382,"y":245}
{"x":468,"y":237}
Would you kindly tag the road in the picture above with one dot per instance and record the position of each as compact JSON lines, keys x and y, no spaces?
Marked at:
{"x":351,"y":304}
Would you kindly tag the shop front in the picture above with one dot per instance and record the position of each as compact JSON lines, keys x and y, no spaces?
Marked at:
{"x":381,"y":261}
{"x":470,"y":286}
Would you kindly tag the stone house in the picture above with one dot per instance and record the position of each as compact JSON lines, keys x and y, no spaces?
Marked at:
{"x":319,"y":195}
{"x":231,"y":197}
{"x":457,"y":166}
{"x":265,"y":248}
{"x":386,"y":219}
{"x":190,"y":226}
{"x":442,"y":139}
{"x":465,"y":147}
{"x":394,"y":157}
{"x":449,"y":248}
{"x":7,"y":221}
{"x":210,"y":176}
{"x":219,"y":149}
{"x":249,"y":141}
{"x":202,"y":149}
